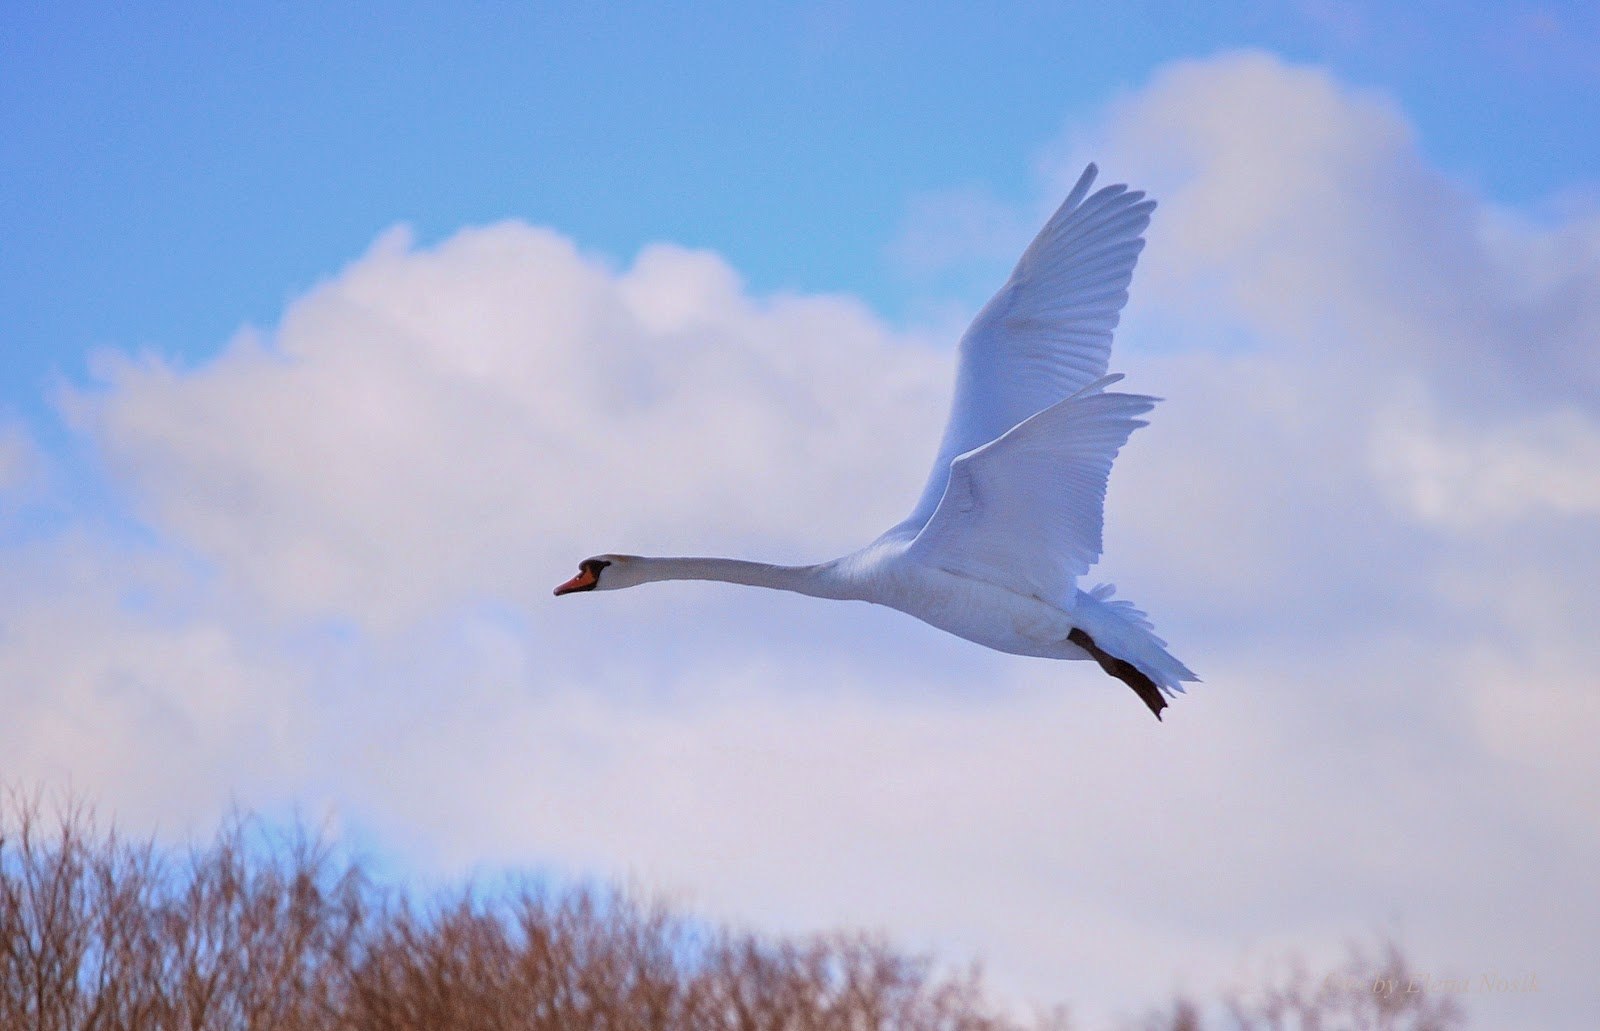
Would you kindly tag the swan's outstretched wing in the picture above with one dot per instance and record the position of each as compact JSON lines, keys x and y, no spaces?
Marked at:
{"x":1047,"y":333}
{"x":1025,"y":511}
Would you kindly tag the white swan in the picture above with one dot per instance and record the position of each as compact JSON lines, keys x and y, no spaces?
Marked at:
{"x":1011,"y":515}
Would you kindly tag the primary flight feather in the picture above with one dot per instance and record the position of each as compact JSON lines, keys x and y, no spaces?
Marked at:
{"x":1012,"y":512}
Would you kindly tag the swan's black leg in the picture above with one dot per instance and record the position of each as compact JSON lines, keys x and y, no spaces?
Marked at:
{"x":1124,"y":671}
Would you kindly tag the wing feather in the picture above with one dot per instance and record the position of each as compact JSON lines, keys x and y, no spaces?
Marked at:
{"x":1026,"y":510}
{"x":1047,"y":333}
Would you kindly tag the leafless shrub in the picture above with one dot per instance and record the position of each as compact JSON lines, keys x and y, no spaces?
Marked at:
{"x":263,"y":932}
{"x":97,"y":932}
{"x":1369,"y":992}
{"x":256,"y":931}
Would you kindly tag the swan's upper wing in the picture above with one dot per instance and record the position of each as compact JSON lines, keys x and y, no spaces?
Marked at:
{"x":1025,"y":511}
{"x":1047,"y":333}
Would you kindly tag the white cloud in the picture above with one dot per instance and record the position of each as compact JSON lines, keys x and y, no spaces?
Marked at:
{"x":1375,"y":481}
{"x":1307,"y":209}
{"x":1402,"y":358}
{"x":1488,"y":477}
{"x":153,"y":708}
{"x":471,"y":420}
{"x":1365,"y":516}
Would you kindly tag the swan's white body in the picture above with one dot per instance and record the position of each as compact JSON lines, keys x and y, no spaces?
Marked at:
{"x":1011,"y":515}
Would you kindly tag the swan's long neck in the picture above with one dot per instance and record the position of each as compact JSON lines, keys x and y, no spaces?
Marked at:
{"x":819,"y":581}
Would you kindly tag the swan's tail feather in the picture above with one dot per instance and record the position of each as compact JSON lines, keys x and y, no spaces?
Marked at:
{"x":1120,"y":638}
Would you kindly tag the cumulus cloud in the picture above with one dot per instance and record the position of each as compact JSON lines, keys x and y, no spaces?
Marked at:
{"x":470,"y":420}
{"x":1495,"y":477}
{"x":1366,"y":516}
{"x":151,"y":706}
{"x":1375,"y":484}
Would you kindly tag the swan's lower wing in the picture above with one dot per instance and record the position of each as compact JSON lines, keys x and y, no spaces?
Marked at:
{"x":1025,"y":511}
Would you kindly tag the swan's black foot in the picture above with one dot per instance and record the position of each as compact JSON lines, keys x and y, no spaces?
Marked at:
{"x":1124,"y":671}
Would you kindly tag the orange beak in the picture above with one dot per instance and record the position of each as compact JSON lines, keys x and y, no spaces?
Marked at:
{"x":582,"y":582}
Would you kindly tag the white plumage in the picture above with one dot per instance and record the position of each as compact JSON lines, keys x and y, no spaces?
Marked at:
{"x":1012,"y":512}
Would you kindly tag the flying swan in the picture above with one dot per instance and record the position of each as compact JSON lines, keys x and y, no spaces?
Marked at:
{"x":1011,"y":515}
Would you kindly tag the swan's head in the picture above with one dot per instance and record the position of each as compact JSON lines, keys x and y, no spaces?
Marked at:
{"x":602,"y":573}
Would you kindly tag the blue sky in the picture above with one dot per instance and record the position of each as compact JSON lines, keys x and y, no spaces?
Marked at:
{"x":332,"y":343}
{"x":172,"y":171}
